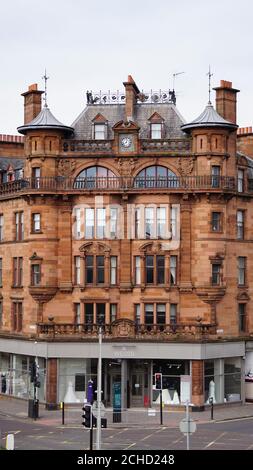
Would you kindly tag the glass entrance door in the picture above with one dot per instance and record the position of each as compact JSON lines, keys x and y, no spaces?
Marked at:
{"x":137,"y":388}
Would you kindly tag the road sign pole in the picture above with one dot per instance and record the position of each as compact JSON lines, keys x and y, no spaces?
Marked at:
{"x":188,"y":427}
{"x":99,"y":371}
{"x":161,"y":407}
{"x":91,"y":431}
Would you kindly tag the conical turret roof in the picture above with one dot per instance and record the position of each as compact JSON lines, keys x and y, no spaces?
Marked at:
{"x":45,"y":120}
{"x":209,"y":118}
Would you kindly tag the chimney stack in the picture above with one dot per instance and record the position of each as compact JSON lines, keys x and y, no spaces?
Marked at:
{"x":131,"y":97}
{"x":32,"y":103}
{"x":226,"y":101}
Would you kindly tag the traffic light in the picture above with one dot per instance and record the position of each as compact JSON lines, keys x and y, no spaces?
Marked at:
{"x":87,"y":416}
{"x":158,"y":381}
{"x":33,"y":371}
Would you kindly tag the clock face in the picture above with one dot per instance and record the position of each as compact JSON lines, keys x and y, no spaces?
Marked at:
{"x":126,"y":142}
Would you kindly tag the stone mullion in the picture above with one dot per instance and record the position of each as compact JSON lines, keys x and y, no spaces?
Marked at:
{"x":185,"y":278}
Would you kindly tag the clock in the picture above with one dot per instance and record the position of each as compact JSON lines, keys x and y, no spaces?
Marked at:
{"x":126,"y":143}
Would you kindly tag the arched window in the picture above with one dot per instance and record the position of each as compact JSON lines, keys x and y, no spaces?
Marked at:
{"x":95,"y":177}
{"x":156,"y":177}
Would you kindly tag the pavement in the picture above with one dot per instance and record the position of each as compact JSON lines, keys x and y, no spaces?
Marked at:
{"x":136,"y":417}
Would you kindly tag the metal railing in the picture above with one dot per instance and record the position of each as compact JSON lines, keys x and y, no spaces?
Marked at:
{"x":117,"y":183}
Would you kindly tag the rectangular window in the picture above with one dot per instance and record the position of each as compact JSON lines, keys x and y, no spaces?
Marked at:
{"x":17,"y":316}
{"x":36,"y":274}
{"x":100,"y":270}
{"x":36,"y":177}
{"x":241,"y":270}
{"x":1,"y":313}
{"x":77,"y":310}
{"x":113,"y":273}
{"x":149,"y":223}
{"x":113,"y":222}
{"x":99,"y":131}
{"x":161,"y":314}
{"x":89,"y":269}
{"x":88,"y":314}
{"x":242,"y":317}
{"x":100,"y":314}
{"x":215,"y":176}
{"x":1,"y":272}
{"x":173,"y":270}
{"x":156,"y":131}
{"x":173,"y":313}
{"x":240,"y":181}
{"x":149,"y":269}
{"x":137,"y":313}
{"x":161,"y":222}
{"x":77,"y":270}
{"x":160,"y":269}
{"x":80,"y":383}
{"x":36,"y":222}
{"x":216,"y":221}
{"x":1,"y":227}
{"x":149,"y":314}
{"x":137,"y":270}
{"x":216,"y":278}
{"x":100,"y":231}
{"x":137,"y":220}
{"x":113,"y":312}
{"x":89,"y":223}
{"x":17,"y":272}
{"x":173,"y":221}
{"x":19,"y":226}
{"x":240,"y":225}
{"x":78,"y":222}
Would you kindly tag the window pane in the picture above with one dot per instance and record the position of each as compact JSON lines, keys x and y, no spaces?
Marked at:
{"x":173,"y":313}
{"x":100,"y":313}
{"x":160,"y":314}
{"x":149,"y":223}
{"x":149,"y":269}
{"x":113,"y":312}
{"x":100,"y":223}
{"x":173,"y":270}
{"x":137,"y":308}
{"x":160,"y":260}
{"x":99,"y":131}
{"x":113,"y":270}
{"x":89,"y":313}
{"x":100,"y":270}
{"x":113,"y":222}
{"x":89,"y":223}
{"x":161,"y":222}
{"x":149,"y":314}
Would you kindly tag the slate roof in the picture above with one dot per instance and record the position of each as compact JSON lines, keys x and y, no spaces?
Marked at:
{"x":209,"y":118}
{"x":45,"y":120}
{"x":114,"y":113}
{"x":16,"y":163}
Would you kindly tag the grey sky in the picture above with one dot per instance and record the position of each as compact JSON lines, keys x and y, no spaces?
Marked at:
{"x":95,"y":45}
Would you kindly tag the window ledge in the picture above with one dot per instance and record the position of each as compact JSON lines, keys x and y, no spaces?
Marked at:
{"x":17,"y":287}
{"x":36,"y":232}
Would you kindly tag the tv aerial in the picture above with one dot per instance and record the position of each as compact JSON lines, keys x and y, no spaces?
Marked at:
{"x":174,"y":77}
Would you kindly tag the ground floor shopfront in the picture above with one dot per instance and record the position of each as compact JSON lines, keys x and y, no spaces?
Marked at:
{"x":190,"y":371}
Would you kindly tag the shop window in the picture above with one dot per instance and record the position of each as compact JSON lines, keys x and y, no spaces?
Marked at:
{"x":232,"y":379}
{"x":213,"y":381}
{"x":79,"y":383}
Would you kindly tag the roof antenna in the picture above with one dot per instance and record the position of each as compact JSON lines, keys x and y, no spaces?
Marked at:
{"x":45,"y":78}
{"x":174,"y":77}
{"x":209,"y":81}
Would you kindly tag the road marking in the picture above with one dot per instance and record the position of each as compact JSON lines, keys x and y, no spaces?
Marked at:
{"x":147,"y":437}
{"x":232,"y":420}
{"x":215,"y":441}
{"x":131,"y":445}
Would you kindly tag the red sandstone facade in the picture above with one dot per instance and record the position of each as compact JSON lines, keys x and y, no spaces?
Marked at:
{"x":135,"y":220}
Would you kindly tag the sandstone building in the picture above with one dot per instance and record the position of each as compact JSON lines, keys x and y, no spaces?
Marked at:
{"x":132,"y":219}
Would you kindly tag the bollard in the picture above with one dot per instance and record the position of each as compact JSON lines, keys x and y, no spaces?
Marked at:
{"x":211,"y":403}
{"x":62,"y":406}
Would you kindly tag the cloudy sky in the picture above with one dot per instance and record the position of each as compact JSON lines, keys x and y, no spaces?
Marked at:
{"x":95,"y":44}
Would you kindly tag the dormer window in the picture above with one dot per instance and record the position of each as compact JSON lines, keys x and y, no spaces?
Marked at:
{"x":156,"y":123}
{"x":99,"y":131}
{"x":156,"y":131}
{"x":100,"y":127}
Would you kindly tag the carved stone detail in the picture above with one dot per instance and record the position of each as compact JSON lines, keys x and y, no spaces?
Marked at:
{"x":66,"y":167}
{"x":123,"y":328}
{"x":126,"y":166}
{"x":42,"y":294}
{"x":94,"y":248}
{"x":185,"y":166}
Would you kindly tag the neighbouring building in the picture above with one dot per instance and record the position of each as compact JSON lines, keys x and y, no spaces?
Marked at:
{"x":135,"y":220}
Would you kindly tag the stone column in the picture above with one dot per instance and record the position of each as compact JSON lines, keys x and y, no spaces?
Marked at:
{"x":198,"y":383}
{"x":51,"y":390}
{"x":65,"y":249}
{"x":123,"y":384}
{"x":185,"y":247}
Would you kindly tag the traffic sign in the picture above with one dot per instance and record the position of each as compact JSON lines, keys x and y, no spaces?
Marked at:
{"x":187,"y":426}
{"x":95,"y":409}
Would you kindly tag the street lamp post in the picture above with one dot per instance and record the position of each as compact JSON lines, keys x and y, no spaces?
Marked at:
{"x":99,"y":382}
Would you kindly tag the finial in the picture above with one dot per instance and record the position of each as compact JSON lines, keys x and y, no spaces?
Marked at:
{"x":209,"y":81}
{"x":45,"y":78}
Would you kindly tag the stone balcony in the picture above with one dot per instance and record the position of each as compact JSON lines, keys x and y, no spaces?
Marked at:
{"x":63,"y":185}
{"x":127,"y":330}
